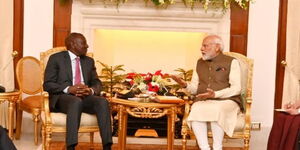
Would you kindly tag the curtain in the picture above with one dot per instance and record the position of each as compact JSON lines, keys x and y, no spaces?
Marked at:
{"x":291,"y":88}
{"x":6,"y":46}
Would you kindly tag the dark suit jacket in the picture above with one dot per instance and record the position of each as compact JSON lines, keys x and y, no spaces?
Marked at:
{"x":58,"y":76}
{"x":5,"y":142}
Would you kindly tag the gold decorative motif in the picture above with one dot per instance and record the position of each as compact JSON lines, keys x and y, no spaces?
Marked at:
{"x":146,"y":112}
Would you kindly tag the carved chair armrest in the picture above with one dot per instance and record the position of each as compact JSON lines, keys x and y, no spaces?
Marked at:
{"x":248,"y":114}
{"x":45,"y":108}
{"x":187,"y":107}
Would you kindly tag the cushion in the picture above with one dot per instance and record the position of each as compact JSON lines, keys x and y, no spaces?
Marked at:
{"x":59,"y":119}
{"x":240,"y":124}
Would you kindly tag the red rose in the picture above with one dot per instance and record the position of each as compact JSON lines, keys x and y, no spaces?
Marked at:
{"x":158,"y":73}
{"x":148,"y":77}
{"x":131,"y":82}
{"x":131,"y":75}
{"x":153,"y":88}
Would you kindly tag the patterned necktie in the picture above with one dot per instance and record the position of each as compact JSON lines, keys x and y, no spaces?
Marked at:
{"x":77,"y":71}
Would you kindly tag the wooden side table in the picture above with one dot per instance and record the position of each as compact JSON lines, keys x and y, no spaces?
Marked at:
{"x":144,"y":110}
{"x":12,"y":98}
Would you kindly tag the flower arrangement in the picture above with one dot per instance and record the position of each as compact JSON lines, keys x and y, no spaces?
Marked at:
{"x":224,"y":4}
{"x":148,"y":82}
{"x":216,"y":4}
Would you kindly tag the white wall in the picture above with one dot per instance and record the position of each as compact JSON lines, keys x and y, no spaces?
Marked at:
{"x":38,"y":26}
{"x":262,"y":47}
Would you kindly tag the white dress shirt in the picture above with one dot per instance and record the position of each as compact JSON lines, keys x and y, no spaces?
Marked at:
{"x":73,"y":64}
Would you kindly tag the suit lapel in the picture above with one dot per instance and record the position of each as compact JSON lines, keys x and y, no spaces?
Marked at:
{"x":68,"y":66}
{"x":84,"y":65}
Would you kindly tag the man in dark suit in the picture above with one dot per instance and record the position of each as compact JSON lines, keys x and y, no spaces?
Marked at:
{"x":5,"y":141}
{"x":73,"y":85}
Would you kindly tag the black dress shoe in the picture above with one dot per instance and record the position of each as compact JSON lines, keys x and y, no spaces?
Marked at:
{"x":107,"y":147}
{"x":71,"y":147}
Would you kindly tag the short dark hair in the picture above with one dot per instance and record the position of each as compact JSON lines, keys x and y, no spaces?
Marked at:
{"x":70,"y":38}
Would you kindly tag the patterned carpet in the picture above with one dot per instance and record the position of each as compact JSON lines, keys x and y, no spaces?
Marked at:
{"x":87,"y":146}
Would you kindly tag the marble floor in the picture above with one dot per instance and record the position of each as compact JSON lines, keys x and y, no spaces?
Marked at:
{"x":258,"y":138}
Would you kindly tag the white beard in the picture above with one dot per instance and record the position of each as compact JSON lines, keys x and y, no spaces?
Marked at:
{"x":206,"y":57}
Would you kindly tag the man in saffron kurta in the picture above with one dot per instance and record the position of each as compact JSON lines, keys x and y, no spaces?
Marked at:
{"x":217,"y":86}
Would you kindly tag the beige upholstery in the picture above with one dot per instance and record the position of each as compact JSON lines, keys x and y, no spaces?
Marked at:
{"x":56,"y":122}
{"x":59,"y":119}
{"x":28,"y":73}
{"x":242,"y":129}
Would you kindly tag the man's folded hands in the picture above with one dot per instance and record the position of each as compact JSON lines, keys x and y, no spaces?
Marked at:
{"x":80,"y":90}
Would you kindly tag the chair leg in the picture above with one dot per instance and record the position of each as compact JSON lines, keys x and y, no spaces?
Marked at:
{"x":19,"y":123}
{"x":246,"y":143}
{"x":91,"y":140}
{"x":184,"y":142}
{"x":36,"y":119}
{"x":184,"y":133}
{"x":43,"y":138}
{"x":47,"y":139}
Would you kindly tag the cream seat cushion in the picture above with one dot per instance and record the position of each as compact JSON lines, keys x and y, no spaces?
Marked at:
{"x":59,"y":119}
{"x":240,"y":124}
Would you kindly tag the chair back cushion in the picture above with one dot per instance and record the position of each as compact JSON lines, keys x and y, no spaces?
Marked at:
{"x":28,"y":73}
{"x":44,"y":57}
{"x":246,"y":66}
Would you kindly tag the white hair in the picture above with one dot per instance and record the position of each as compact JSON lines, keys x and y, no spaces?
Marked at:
{"x":217,"y":40}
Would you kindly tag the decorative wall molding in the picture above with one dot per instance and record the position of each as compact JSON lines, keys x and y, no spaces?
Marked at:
{"x":86,"y":17}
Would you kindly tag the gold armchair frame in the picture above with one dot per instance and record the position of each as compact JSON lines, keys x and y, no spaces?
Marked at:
{"x":243,"y":127}
{"x":56,"y":122}
{"x":30,"y":96}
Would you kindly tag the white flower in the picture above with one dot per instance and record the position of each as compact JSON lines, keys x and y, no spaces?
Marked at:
{"x":142,"y":86}
{"x":155,"y":83}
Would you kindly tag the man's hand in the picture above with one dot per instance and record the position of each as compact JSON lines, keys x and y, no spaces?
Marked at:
{"x":209,"y":94}
{"x":80,"y":90}
{"x":178,"y":80}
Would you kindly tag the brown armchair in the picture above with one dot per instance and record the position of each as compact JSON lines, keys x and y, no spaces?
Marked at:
{"x":243,"y":126}
{"x":55,"y":121}
{"x":28,"y":73}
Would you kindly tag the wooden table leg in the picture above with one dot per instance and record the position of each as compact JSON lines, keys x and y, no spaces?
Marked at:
{"x":11,"y":109}
{"x":123,"y":116}
{"x":171,"y":128}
